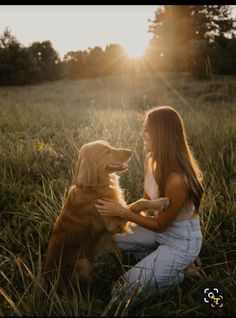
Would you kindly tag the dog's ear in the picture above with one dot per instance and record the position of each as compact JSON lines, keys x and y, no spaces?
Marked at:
{"x":86,"y":174}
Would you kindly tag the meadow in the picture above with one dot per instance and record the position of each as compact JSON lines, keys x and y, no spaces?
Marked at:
{"x":42,"y":129}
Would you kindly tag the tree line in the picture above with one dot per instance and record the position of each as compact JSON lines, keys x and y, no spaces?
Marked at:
{"x":199,"y":39}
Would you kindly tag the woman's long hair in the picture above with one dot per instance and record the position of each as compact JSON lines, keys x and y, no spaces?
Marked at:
{"x":171,"y":152}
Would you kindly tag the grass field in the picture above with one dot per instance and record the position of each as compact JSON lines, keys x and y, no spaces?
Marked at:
{"x":42,"y":129}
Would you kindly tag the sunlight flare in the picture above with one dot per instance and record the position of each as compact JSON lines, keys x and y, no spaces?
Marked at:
{"x":135,"y":50}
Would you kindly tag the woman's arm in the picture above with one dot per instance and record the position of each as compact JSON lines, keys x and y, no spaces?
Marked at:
{"x":108,"y":207}
{"x":176,"y":191}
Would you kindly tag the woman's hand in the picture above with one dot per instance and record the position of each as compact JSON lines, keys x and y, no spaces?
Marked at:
{"x":108,"y":207}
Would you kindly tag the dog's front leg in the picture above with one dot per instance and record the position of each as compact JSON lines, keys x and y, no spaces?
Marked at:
{"x":145,"y":205}
{"x":138,"y":205}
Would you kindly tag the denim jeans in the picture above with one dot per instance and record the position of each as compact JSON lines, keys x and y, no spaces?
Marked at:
{"x":160,"y":265}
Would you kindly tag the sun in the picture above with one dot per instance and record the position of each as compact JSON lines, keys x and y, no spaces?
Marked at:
{"x":135,"y":50}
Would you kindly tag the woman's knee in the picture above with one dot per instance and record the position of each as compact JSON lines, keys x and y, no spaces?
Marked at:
{"x":137,"y":238}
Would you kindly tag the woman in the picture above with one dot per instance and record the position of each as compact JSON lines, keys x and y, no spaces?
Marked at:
{"x":170,"y":171}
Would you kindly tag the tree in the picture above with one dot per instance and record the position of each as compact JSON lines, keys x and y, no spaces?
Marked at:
{"x":13,"y":60}
{"x":45,"y":60}
{"x":95,"y":61}
{"x":184,"y":34}
{"x":115,"y":60}
{"x":7,"y":39}
{"x":26,"y":65}
{"x":178,"y":24}
{"x":75,"y":64}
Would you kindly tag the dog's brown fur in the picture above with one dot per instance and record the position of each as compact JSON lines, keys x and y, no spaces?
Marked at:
{"x":80,"y":233}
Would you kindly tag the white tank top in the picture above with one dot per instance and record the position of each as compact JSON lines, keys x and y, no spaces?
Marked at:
{"x":151,"y":188}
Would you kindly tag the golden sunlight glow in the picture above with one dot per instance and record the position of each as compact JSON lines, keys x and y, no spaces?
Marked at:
{"x":135,"y":50}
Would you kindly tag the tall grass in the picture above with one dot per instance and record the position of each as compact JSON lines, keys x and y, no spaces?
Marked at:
{"x":42,"y":129}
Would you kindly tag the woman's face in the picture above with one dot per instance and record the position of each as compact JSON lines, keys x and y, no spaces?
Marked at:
{"x":147,"y":141}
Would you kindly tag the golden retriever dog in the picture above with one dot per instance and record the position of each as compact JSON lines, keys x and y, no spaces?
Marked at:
{"x":80,"y":233}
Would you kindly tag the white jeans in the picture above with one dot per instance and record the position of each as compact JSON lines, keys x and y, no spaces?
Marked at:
{"x":163,"y":264}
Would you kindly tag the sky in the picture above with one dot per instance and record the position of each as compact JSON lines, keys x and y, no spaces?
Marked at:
{"x":78,"y":27}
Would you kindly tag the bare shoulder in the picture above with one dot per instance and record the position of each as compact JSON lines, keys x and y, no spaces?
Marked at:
{"x":176,"y":190}
{"x":176,"y":180}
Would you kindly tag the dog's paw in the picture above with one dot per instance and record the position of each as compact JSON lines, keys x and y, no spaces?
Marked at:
{"x":138,"y":205}
{"x":165,"y":203}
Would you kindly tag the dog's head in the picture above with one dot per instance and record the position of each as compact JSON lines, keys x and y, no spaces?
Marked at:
{"x":99,"y":159}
